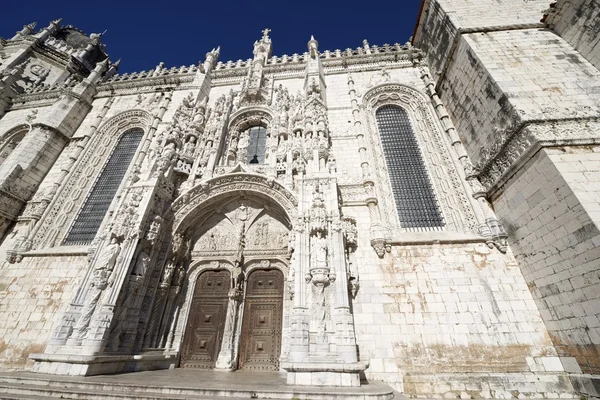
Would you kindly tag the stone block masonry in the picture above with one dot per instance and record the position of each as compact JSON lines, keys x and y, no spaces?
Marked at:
{"x":260,"y":195}
{"x":551,"y":210}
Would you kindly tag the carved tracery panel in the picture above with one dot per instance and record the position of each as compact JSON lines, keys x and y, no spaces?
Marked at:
{"x":10,"y":141}
{"x":449,"y":189}
{"x":61,"y":212}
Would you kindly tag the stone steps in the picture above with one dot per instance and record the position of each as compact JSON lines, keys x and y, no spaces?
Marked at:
{"x":26,"y":386}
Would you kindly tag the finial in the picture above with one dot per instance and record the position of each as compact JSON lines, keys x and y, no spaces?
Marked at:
{"x":96,"y":38}
{"x":27,"y":29}
{"x":313,"y":47}
{"x":265,"y":33}
{"x":117,"y":63}
{"x":102,"y":65}
{"x":57,"y":22}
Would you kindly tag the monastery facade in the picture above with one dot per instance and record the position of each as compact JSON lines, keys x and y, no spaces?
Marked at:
{"x":422,"y":214}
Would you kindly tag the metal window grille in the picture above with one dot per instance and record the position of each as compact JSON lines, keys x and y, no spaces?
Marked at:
{"x":415,"y":199}
{"x":92,"y":213}
{"x":258,"y":145}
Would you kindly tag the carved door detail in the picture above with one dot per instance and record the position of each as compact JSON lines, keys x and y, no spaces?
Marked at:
{"x":260,"y":344}
{"x":206,"y":321}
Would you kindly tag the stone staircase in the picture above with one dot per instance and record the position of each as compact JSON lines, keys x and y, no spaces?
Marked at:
{"x":155,"y":385}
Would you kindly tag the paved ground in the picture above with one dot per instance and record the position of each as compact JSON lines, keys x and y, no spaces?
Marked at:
{"x":246,"y":384}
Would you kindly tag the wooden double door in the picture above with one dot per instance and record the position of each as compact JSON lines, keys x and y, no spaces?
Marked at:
{"x":261,"y":319}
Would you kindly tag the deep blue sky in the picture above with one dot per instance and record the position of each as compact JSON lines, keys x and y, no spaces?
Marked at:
{"x":180,"y":33}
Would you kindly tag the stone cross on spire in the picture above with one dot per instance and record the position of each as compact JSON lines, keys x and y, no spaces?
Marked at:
{"x":265,"y":33}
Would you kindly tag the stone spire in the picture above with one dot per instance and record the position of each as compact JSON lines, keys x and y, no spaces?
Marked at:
{"x":314,"y":77}
{"x":211,"y":59}
{"x":254,"y":87}
{"x":27,"y":30}
{"x":50,"y":30}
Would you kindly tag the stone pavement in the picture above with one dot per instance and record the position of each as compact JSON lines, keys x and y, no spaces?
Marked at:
{"x":178,"y":384}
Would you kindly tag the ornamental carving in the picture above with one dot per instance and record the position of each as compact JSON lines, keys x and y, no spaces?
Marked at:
{"x":232,"y":183}
{"x":62,"y":211}
{"x":499,"y":159}
{"x":450,"y":192}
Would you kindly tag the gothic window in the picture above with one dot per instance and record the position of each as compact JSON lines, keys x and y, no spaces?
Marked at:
{"x":258,"y":143}
{"x":415,"y":199}
{"x":9,"y":143}
{"x":96,"y":205}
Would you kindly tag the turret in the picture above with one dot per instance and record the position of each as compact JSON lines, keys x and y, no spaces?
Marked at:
{"x":26,"y":31}
{"x":314,"y":77}
{"x":211,"y":59}
{"x":50,"y":30}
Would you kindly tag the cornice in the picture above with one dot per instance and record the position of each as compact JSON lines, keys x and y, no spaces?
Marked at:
{"x":511,"y":151}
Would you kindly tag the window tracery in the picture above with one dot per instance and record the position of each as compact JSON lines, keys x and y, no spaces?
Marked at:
{"x":438,"y":159}
{"x":256,"y":149}
{"x":412,"y":190}
{"x":9,"y":142}
{"x":96,"y":205}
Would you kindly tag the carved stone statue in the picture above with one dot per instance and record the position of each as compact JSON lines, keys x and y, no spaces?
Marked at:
{"x":190,"y":146}
{"x":237,"y":275}
{"x":154,"y":228}
{"x":101,"y":279}
{"x":108,"y":258}
{"x":319,"y":251}
{"x":141,"y":264}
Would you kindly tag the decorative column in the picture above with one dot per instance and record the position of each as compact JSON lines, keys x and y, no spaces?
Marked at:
{"x":323,"y":348}
{"x":489,"y":226}
{"x":227,"y":359}
{"x":380,"y":237}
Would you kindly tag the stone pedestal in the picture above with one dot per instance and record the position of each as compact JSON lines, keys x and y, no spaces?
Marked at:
{"x":324,"y":374}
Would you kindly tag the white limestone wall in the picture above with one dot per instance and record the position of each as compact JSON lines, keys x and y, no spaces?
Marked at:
{"x":577,"y":22}
{"x":524,"y":75}
{"x":551,"y":209}
{"x":429,"y":314}
{"x":505,"y":73}
{"x":33,"y":296}
{"x":443,"y":21}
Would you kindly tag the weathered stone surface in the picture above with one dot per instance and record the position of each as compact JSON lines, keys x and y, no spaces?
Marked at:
{"x":272,"y":173}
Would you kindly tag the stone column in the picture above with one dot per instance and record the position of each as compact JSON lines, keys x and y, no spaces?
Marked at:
{"x":299,"y":332}
{"x":227,"y":359}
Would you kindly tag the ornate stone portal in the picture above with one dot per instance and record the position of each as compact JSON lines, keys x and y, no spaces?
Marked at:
{"x":220,"y":262}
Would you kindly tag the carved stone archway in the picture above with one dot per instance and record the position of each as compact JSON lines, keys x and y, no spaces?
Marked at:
{"x":440,"y":161}
{"x":238,"y":182}
{"x":238,"y":223}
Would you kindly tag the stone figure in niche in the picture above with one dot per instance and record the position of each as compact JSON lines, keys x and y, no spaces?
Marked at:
{"x":168,"y":273}
{"x":212,"y":242}
{"x":242,"y":146}
{"x":167,"y":156}
{"x":108,"y":258}
{"x":141,"y":264}
{"x":190,"y":146}
{"x":319,"y":251}
{"x":154,"y":229}
{"x":102,"y":277}
{"x":237,"y":275}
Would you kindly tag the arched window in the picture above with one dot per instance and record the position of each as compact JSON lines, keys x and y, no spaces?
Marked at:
{"x":96,"y":205}
{"x":257,"y":136}
{"x":413,"y":193}
{"x":10,"y":142}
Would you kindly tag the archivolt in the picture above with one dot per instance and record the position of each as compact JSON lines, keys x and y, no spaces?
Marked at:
{"x":10,"y":140}
{"x":438,"y":158}
{"x":239,"y":183}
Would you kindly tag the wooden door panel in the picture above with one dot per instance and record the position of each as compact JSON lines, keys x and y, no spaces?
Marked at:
{"x":260,"y":345}
{"x":206,"y":321}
